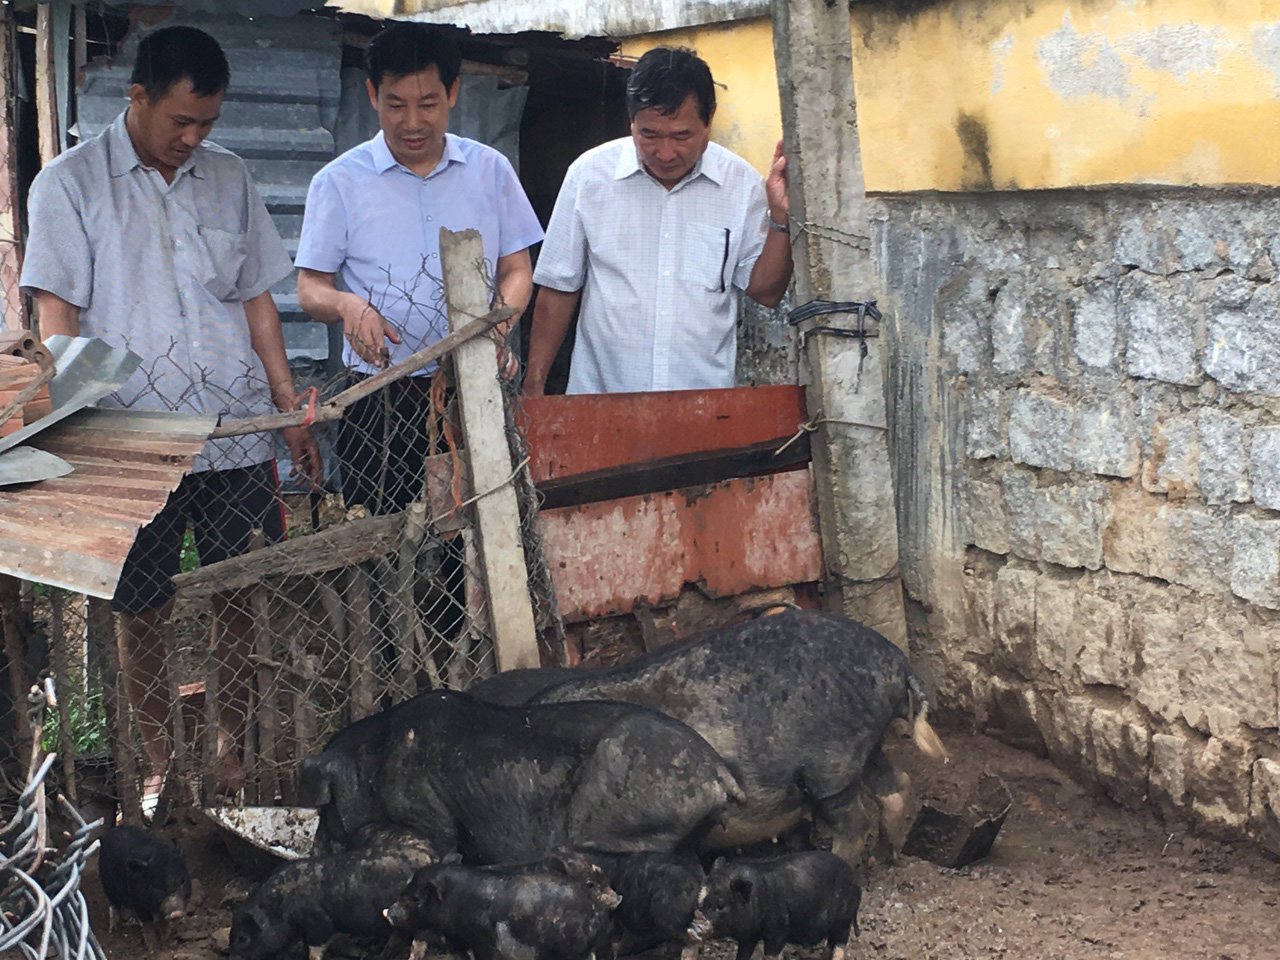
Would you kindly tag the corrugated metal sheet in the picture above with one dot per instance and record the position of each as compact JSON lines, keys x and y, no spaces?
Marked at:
{"x":278,"y":115}
{"x":584,"y":18}
{"x":75,"y":531}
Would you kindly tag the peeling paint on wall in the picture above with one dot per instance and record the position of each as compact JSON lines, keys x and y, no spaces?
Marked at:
{"x":1080,"y":65}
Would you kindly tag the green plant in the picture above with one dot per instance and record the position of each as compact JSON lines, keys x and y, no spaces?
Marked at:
{"x":188,"y":559}
{"x":87,"y":721}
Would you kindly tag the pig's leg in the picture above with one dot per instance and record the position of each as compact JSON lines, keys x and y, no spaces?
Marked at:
{"x":113,"y":918}
{"x":891,"y":788}
{"x":745,"y":949}
{"x":851,"y":827}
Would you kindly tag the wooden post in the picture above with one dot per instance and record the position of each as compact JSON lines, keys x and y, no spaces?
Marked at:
{"x":13,"y":314}
{"x":15,"y":657}
{"x":267,"y":691}
{"x":830,"y":241}
{"x":46,"y":86}
{"x":361,"y":690}
{"x":497,"y":513}
{"x":102,"y":640}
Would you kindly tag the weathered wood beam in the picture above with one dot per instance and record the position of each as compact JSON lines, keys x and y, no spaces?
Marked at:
{"x":497,"y":512}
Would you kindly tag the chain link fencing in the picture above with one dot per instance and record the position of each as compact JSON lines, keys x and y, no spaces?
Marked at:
{"x":285,"y":618}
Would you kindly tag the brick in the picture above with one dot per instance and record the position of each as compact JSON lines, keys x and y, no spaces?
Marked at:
{"x":984,"y":430}
{"x":1106,"y":650}
{"x":1015,"y":606}
{"x":1255,"y":563}
{"x":985,"y":522}
{"x":1106,"y":440}
{"x":1167,"y":780}
{"x":1264,"y":466}
{"x":1184,"y":543}
{"x":1173,"y":464}
{"x":965,"y":309}
{"x":1121,"y":753}
{"x":1160,"y":334}
{"x":1057,"y":523}
{"x":1220,"y":782}
{"x":1244,"y":351}
{"x":1224,"y":457}
{"x":1157,"y":637}
{"x":1009,"y":330}
{"x":1095,"y":322}
{"x":1058,"y":637}
{"x":1040,"y":431}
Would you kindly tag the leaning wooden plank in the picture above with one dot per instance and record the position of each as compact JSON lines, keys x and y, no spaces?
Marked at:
{"x":497,"y":513}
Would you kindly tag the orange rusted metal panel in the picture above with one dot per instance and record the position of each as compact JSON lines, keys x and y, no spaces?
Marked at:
{"x":731,"y":537}
{"x":575,"y":434}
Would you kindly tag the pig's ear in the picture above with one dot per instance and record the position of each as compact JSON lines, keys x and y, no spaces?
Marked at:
{"x":742,"y":887}
{"x":559,"y":865}
{"x":140,"y":862}
{"x":434,"y":890}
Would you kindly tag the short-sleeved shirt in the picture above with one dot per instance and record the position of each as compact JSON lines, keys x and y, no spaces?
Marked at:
{"x":162,"y":269}
{"x":376,"y":224}
{"x":660,"y":270}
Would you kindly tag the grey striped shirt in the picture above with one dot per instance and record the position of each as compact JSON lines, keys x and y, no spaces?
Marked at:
{"x":164,"y":270}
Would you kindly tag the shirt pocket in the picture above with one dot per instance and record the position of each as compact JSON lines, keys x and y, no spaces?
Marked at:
{"x":224,"y":253}
{"x":704,"y":256}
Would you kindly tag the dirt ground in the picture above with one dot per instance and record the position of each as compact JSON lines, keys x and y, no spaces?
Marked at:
{"x":1071,"y":876}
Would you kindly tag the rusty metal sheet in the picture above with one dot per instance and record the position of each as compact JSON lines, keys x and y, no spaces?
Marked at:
{"x":732,"y":537}
{"x":75,"y":531}
{"x":579,"y":433}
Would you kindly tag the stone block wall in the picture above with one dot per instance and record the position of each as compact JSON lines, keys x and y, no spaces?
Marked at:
{"x":1086,"y":421}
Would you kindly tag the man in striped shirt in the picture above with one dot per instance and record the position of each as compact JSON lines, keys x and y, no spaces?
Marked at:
{"x":153,"y":240}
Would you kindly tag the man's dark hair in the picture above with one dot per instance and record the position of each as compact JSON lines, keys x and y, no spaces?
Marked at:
{"x":664,"y":77}
{"x":406,"y":48}
{"x":171,"y":54}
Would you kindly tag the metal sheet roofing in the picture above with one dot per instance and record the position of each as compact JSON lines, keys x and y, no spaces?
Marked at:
{"x":75,"y":531}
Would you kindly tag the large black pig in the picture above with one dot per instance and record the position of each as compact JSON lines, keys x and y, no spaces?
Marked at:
{"x":500,"y":784}
{"x":797,"y":704}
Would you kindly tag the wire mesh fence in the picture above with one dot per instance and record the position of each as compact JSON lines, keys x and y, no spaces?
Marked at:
{"x":254,"y":619}
{"x":42,"y":911}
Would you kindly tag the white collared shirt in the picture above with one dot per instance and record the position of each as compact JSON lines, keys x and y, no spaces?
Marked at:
{"x":162,"y":269}
{"x":660,"y":270}
{"x":376,"y":224}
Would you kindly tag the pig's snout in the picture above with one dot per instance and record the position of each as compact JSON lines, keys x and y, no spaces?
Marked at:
{"x":173,"y":907}
{"x":699,"y":929}
{"x":611,"y":899}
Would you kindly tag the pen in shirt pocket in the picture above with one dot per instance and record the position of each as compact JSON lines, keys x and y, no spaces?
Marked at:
{"x":724,"y":261}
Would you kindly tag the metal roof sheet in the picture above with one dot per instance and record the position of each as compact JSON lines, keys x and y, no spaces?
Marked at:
{"x":75,"y":531}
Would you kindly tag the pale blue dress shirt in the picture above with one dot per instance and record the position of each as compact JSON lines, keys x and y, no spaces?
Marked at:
{"x":376,"y":224}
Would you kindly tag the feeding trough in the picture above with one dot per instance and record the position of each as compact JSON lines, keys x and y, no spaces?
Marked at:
{"x":958,"y":839}
{"x":287,"y":833}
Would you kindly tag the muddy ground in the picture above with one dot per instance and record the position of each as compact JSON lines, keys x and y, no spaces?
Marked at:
{"x":1072,"y":876}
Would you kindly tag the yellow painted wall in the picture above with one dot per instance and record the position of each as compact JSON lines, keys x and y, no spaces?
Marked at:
{"x":1024,"y":94}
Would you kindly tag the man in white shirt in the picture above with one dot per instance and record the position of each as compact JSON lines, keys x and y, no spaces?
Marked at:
{"x":657,"y":233}
{"x":153,"y":240}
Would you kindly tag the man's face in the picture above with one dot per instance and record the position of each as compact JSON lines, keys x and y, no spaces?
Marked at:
{"x":413,"y":111}
{"x":165,"y":131}
{"x":669,"y":145}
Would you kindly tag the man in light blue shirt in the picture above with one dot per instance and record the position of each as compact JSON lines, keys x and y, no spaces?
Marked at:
{"x":369,"y":254}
